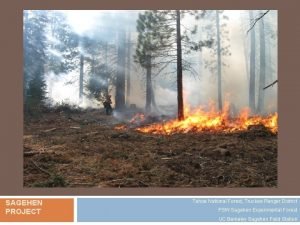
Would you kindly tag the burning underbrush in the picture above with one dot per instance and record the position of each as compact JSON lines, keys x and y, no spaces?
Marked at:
{"x":85,"y":149}
{"x":199,"y":120}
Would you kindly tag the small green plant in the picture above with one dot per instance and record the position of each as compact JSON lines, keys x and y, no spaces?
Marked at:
{"x":54,"y":181}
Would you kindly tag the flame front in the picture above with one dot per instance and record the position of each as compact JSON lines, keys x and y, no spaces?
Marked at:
{"x":199,"y":120}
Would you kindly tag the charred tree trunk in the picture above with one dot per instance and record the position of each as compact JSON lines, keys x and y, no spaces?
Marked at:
{"x":220,"y":105}
{"x":81,"y":77}
{"x":262,"y":75}
{"x":128,"y":69}
{"x":179,"y":68}
{"x":252,"y":66}
{"x":148,"y":85}
{"x":120,"y":80}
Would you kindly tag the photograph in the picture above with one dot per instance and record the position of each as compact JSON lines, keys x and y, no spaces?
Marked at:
{"x":150,"y":98}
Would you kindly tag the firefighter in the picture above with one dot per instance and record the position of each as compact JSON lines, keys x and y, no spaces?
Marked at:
{"x":107,"y":105}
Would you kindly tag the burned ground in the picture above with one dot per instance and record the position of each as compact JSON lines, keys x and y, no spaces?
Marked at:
{"x":82,"y":149}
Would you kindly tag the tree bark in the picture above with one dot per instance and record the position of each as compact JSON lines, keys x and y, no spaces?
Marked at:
{"x":128,"y":69}
{"x":246,"y":59}
{"x":220,"y":105}
{"x":120,"y":80}
{"x":262,"y":75}
{"x":106,"y":68}
{"x":148,"y":85}
{"x":246,"y":54}
{"x":179,"y":68}
{"x":153,"y":97}
{"x":81,"y":77}
{"x":252,"y":66}
{"x":25,"y":78}
{"x":200,"y":52}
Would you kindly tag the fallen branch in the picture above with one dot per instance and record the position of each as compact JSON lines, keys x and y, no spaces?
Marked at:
{"x":31,"y":153}
{"x":166,"y":158}
{"x":126,"y":180}
{"x":117,"y":180}
{"x":270,"y":84}
{"x":142,"y":183}
{"x":71,"y":118}
{"x":41,"y":169}
{"x":75,"y":128}
{"x":49,"y":130}
{"x":83,"y":184}
{"x":92,"y":133}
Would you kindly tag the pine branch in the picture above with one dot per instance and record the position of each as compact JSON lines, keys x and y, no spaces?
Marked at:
{"x":257,"y":19}
{"x":270,"y":84}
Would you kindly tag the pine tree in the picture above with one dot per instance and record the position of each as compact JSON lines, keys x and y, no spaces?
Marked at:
{"x":159,"y":33}
{"x":34,"y":44}
{"x":152,"y":39}
{"x":179,"y":68}
{"x":62,"y":47}
{"x":120,"y":78}
{"x":217,"y":28}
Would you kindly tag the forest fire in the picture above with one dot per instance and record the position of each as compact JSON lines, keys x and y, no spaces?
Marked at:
{"x":199,"y":120}
{"x":102,"y":90}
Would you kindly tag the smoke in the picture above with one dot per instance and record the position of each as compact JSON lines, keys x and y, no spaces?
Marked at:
{"x":199,"y":89}
{"x":63,"y":89}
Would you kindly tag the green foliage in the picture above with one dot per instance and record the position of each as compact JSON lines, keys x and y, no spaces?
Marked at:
{"x":154,"y":35}
{"x":66,"y":108}
{"x":63,"y":51}
{"x":49,"y":45}
{"x":36,"y":93}
{"x":98,"y":56}
{"x":157,"y":38}
{"x":34,"y":42}
{"x":98,"y":83}
{"x":211,"y":32}
{"x":53,"y":181}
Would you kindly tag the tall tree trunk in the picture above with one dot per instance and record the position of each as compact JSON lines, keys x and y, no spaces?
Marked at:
{"x":246,"y":53}
{"x":128,"y":69}
{"x":246,"y":59}
{"x":153,"y":97}
{"x":81,"y":77}
{"x":120,"y":80}
{"x":179,"y":68}
{"x":262,"y":75}
{"x":148,"y":85}
{"x":200,"y":52}
{"x":269,"y":71}
{"x":220,"y":105}
{"x":252,"y":66}
{"x":25,"y":76}
{"x":106,"y":68}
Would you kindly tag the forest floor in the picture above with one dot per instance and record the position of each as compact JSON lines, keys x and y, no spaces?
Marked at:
{"x":82,"y":149}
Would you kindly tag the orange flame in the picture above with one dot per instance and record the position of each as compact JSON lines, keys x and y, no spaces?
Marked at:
{"x":199,"y":120}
